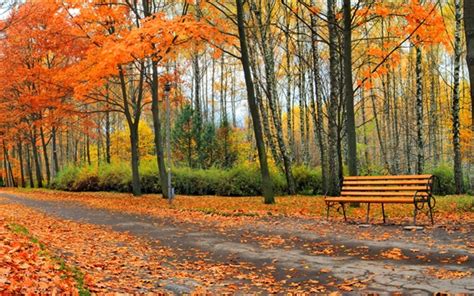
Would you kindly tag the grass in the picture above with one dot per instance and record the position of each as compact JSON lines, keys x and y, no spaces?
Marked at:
{"x":76,"y":273}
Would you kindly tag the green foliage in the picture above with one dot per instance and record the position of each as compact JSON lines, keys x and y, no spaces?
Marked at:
{"x":149,"y":177}
{"x":65,"y":178}
{"x":308,"y":181}
{"x":115,"y":177}
{"x":197,"y":181}
{"x":200,"y":145}
{"x":241,"y":181}
{"x":86,"y":180}
{"x":184,"y":139}
{"x":444,"y":180}
{"x":238,"y":181}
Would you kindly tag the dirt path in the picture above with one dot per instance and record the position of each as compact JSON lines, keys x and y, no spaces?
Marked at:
{"x":297,"y":252}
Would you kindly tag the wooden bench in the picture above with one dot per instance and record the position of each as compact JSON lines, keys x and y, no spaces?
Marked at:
{"x":402,"y":189}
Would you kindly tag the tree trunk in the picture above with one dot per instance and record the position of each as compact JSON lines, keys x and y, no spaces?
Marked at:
{"x":133,"y":119}
{"x":136,"y":186}
{"x":458,"y":179}
{"x":267,"y":186}
{"x":88,"y":150}
{"x":55,"y":151}
{"x":39,"y":177}
{"x":333,"y":180}
{"x":469,"y":31}
{"x":22,"y":171}
{"x":107,"y":129}
{"x":45,"y":155}
{"x":348,"y":90}
{"x":289,"y":109}
{"x":29,"y":170}
{"x":318,"y":117}
{"x":273,"y":97}
{"x":264,"y":114}
{"x":160,"y":155}
{"x":420,"y":160}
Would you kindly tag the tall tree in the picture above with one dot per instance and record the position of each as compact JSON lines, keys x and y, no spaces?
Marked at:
{"x":267,"y":187}
{"x":333,"y":180}
{"x":458,"y":179}
{"x":469,"y":31}
{"x":349,"y":91}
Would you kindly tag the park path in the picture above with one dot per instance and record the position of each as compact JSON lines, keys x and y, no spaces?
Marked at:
{"x":338,"y":257}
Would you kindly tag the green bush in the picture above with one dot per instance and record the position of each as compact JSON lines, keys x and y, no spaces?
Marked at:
{"x":64,"y":180}
{"x":149,"y":177}
{"x":195,"y":181}
{"x":239,"y":181}
{"x":115,"y":177}
{"x":444,"y":180}
{"x":308,"y":181}
{"x":86,"y":180}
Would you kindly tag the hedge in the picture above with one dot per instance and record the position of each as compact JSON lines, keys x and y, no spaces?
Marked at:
{"x":238,"y":181}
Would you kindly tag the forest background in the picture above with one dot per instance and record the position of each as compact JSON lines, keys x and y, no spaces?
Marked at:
{"x":265,"y":97}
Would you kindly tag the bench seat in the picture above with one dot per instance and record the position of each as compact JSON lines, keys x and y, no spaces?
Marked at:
{"x":401,"y":189}
{"x":369,"y":199}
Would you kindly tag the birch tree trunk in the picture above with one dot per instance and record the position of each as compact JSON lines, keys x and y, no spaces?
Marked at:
{"x":420,"y":159}
{"x":333,"y":180}
{"x":318,"y":116}
{"x":272,"y":94}
{"x":458,"y":179}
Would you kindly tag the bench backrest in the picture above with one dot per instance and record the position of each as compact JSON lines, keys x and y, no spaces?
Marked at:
{"x":388,"y":186}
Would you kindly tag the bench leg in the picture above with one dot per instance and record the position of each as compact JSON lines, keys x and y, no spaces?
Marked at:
{"x":383,"y":213}
{"x":431,"y":213}
{"x":327,"y":211}
{"x":414,"y":214}
{"x":368,"y":210}
{"x":344,"y":211}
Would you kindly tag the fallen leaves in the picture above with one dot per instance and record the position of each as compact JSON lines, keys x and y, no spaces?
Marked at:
{"x":395,"y":254}
{"x":445,"y":274}
{"x":26,"y":269}
{"x":239,"y":208}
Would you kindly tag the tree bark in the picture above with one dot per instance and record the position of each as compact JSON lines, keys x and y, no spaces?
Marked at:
{"x":267,"y":186}
{"x":333,"y":180}
{"x":458,"y":178}
{"x":39,"y":177}
{"x":55,"y":151}
{"x":469,"y":31}
{"x":318,"y":117}
{"x":420,"y":160}
{"x":272,"y":94}
{"x":45,"y":155}
{"x":29,"y":170}
{"x":159,"y":146}
{"x":22,"y":171}
{"x":349,"y":91}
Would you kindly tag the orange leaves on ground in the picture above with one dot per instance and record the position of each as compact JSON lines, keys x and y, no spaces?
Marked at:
{"x":25,"y":269}
{"x":239,"y":210}
{"x":395,"y":254}
{"x":445,"y":274}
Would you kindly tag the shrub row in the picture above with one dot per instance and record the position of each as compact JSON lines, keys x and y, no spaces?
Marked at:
{"x":238,"y":181}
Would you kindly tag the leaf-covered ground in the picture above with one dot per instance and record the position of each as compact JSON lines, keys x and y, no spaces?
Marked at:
{"x":140,"y":245}
{"x":26,"y":267}
{"x":448,"y":209}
